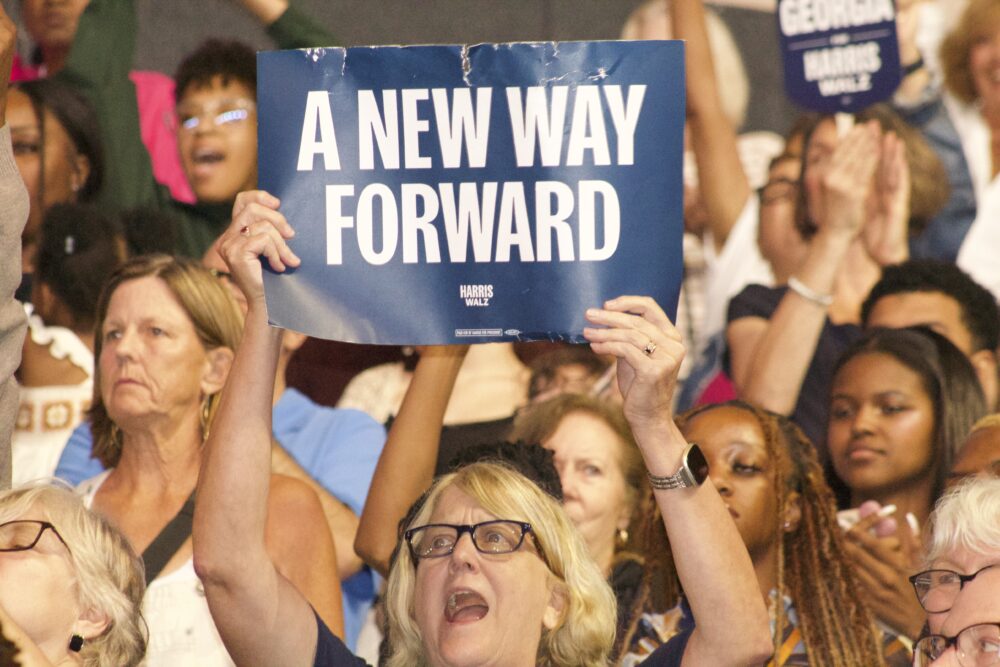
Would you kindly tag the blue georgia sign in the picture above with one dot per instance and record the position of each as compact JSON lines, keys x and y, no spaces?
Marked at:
{"x":839,"y":55}
{"x":446,"y":194}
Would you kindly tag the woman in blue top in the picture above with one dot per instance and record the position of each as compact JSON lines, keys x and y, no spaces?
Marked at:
{"x":519,"y":590}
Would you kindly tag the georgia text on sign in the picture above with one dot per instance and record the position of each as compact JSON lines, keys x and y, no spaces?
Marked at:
{"x":799,"y":17}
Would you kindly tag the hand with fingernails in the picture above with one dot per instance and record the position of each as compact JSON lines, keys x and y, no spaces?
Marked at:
{"x":258,"y":230}
{"x":649,"y":350}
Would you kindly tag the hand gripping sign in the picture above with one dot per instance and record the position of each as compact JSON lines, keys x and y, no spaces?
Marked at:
{"x":445,"y":194}
{"x":839,"y":55}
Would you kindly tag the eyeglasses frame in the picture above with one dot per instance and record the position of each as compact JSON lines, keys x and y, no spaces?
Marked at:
{"x":963,"y":579}
{"x":462,"y":529}
{"x":952,"y":641}
{"x":45,"y":525}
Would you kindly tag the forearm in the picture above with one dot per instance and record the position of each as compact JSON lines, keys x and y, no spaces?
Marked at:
{"x":295,"y":30}
{"x":342,"y":521}
{"x":98,"y":66}
{"x":231,"y":512}
{"x":723,"y":183}
{"x":406,"y":468}
{"x":771,"y":374}
{"x":711,"y":560}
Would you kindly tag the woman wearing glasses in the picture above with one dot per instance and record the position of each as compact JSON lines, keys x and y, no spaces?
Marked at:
{"x":533,"y":597}
{"x":960,"y":589}
{"x":70,"y":584}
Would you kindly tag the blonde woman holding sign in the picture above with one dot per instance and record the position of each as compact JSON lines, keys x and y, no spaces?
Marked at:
{"x":520,"y":590}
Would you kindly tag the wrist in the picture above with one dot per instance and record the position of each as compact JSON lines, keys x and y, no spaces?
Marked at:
{"x":662,"y":445}
{"x":910,"y":66}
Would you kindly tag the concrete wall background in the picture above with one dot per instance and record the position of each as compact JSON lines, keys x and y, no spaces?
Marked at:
{"x":170,"y":28}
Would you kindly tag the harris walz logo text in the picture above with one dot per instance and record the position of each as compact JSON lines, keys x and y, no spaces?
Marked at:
{"x":476,"y":295}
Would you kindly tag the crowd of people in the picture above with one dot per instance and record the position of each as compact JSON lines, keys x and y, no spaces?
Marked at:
{"x":801,"y":468}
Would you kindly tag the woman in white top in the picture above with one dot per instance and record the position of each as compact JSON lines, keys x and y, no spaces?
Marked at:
{"x":166,"y":332}
{"x":78,"y":248}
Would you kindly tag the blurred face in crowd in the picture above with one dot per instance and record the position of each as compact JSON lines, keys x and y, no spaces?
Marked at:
{"x":742,"y":471}
{"x":477,"y":609}
{"x":780,"y":242}
{"x":52,"y":172}
{"x":52,"y":23}
{"x":568,"y":378}
{"x":217,"y":139}
{"x":882,"y":429}
{"x":933,"y":310}
{"x":943,"y":314}
{"x":984,"y":66}
{"x":979,"y":454}
{"x":588,"y":456}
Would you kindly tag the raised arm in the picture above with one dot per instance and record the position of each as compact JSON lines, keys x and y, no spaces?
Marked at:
{"x":770,"y":358}
{"x":406,"y":468}
{"x":98,"y":66}
{"x":713,"y":564}
{"x":916,"y":78}
{"x":723,"y":183}
{"x":261,"y":617}
{"x":288,"y":27}
{"x":13,"y":215}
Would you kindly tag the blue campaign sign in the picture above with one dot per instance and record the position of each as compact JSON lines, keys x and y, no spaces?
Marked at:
{"x":447,"y":194}
{"x":839,"y":55}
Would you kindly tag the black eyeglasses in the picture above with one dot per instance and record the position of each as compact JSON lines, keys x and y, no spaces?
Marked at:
{"x":975,"y":646}
{"x":24,"y":534}
{"x":435,"y":540}
{"x":937,"y":589}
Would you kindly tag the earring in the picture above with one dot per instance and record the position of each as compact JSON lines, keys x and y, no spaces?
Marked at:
{"x":206,"y":412}
{"x":622,"y":537}
{"x":76,"y":643}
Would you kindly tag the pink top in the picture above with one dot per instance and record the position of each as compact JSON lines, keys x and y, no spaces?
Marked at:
{"x":154,"y":94}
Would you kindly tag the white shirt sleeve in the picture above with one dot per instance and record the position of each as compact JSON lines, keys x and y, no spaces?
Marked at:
{"x":737,"y":265}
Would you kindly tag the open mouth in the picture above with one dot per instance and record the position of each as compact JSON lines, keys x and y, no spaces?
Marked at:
{"x":207,"y":156}
{"x":465,"y":606}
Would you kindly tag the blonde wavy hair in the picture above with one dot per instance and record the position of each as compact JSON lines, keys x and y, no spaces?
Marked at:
{"x":214,"y":313}
{"x":109,"y":576}
{"x":585,"y":633}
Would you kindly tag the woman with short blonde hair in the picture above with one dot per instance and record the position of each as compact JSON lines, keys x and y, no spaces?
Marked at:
{"x":105,"y":576}
{"x":585,"y":632}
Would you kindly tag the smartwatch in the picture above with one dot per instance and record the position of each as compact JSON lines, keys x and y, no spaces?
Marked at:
{"x":694,"y":471}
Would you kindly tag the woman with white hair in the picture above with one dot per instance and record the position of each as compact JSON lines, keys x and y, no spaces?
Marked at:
{"x":70,"y":585}
{"x":520,"y":590}
{"x":960,"y":589}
